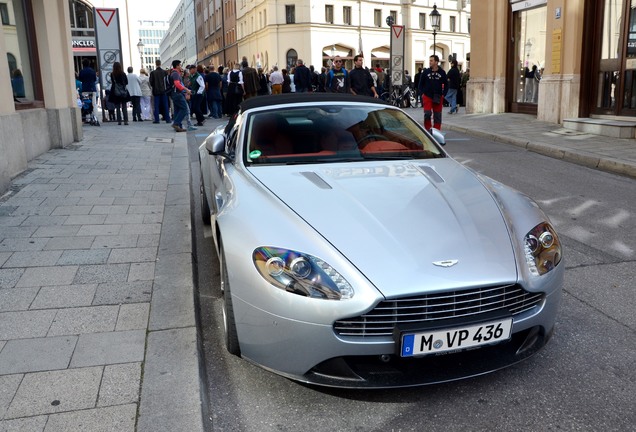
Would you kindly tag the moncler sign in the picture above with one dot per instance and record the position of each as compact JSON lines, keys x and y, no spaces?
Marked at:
{"x":83,"y":44}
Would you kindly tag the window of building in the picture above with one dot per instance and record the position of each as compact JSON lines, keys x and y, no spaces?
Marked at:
{"x":21,"y":59}
{"x":4,"y":13}
{"x":292,"y":56}
{"x":290,"y":14}
{"x":329,"y":14}
{"x":377,"y":17}
{"x":82,"y":23}
{"x":394,"y":16}
{"x":423,"y":21}
{"x":468,"y":25}
{"x":346,"y":15}
{"x":452,"y":24}
{"x":529,"y":28}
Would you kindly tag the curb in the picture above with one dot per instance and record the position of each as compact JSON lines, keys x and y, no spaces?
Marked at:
{"x":606,"y":164}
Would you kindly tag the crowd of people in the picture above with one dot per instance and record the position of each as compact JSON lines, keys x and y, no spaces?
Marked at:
{"x":180,"y":95}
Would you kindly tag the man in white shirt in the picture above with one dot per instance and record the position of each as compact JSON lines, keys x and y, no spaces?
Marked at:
{"x":134,"y":88}
{"x":276,"y":78}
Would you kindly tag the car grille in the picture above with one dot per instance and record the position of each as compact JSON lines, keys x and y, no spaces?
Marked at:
{"x":432,"y":307}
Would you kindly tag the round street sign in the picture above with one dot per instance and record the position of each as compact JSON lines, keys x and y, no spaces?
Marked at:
{"x":389,"y":21}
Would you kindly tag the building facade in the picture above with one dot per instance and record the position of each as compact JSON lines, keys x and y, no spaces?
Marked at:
{"x":150,"y":34}
{"x":558,"y":59}
{"x":38,"y":110}
{"x":277,"y":33}
{"x":179,"y":43}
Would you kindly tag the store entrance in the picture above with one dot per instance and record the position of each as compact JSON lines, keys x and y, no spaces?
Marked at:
{"x":615,"y":75}
{"x":526,"y":69}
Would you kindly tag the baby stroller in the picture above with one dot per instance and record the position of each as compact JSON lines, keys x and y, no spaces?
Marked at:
{"x":88,"y":111}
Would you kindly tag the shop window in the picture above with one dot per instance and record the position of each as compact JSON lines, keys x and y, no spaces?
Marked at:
{"x":529,"y":53}
{"x":22,"y":60}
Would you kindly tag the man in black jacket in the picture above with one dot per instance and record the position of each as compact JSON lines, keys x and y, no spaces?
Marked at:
{"x":433,"y":87}
{"x":361,"y":80}
{"x":302,"y":77}
{"x":159,"y":95}
{"x":454,"y":80}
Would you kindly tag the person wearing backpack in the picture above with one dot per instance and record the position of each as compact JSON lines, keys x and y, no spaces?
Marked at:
{"x":179,"y":95}
{"x":338,"y":78}
{"x":159,"y":93}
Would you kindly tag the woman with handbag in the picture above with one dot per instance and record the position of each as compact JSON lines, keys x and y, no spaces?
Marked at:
{"x":118,"y":92}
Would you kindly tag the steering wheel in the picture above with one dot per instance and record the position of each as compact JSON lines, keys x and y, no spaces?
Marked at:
{"x":372,"y":136}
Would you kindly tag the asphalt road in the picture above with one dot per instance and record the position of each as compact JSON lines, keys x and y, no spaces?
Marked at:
{"x":585,"y":379}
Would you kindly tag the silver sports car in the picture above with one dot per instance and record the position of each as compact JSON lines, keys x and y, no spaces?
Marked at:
{"x":355,"y":252}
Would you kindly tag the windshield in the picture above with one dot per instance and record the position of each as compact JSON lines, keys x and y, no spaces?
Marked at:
{"x":323,"y":134}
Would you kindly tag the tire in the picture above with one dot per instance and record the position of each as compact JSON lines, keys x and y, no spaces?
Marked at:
{"x":229,"y":324}
{"x":205,"y":206}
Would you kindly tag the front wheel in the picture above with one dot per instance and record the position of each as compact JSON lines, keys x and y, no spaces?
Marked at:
{"x":229,"y":324}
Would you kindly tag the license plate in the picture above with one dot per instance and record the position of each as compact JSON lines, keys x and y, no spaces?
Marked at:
{"x":440,"y":341}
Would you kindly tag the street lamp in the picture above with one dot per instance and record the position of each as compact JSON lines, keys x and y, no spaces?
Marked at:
{"x":436,"y":17}
{"x":140,"y":48}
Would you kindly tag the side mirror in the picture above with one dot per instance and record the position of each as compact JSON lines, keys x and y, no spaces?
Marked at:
{"x":438,"y":136}
{"x":215,"y":144}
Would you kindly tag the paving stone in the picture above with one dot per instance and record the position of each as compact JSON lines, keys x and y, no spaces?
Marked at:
{"x":16,"y":299}
{"x":44,"y":276}
{"x":44,"y":220}
{"x":118,"y":194}
{"x":105,"y":201}
{"x":33,"y":259}
{"x":108,"y":419}
{"x":33,"y":211}
{"x":54,"y":297}
{"x":4,"y":256}
{"x":81,"y":320}
{"x":141,"y":229}
{"x":22,"y":325}
{"x":133,"y":316}
{"x":170,"y":395}
{"x":30,"y":424}
{"x":10,"y":277}
{"x":56,"y":231}
{"x":141,"y":272}
{"x":57,"y":243}
{"x":16,"y":232}
{"x":85,"y":193}
{"x":110,"y":209}
{"x":109,"y":348}
{"x":120,"y":385}
{"x":148,"y":240}
{"x":115,"y":241}
{"x":123,"y":292}
{"x":71,"y":210}
{"x":11,"y":221}
{"x":99,"y":230}
{"x":125,"y":219}
{"x":85,"y":220}
{"x":102,"y":273}
{"x":90,"y":256}
{"x":22,"y":244}
{"x":8,"y":386}
{"x":56,"y":391}
{"x":37,"y":354}
{"x":130,"y":255}
{"x":59,"y":202}
{"x":145,"y":209}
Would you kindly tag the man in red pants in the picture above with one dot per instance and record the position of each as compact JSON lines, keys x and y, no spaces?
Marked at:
{"x":433,"y":87}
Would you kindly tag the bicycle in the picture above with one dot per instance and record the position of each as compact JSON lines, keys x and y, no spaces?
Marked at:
{"x":401,"y":98}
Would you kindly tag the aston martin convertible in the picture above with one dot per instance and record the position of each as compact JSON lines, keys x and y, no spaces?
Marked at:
{"x":355,"y":252}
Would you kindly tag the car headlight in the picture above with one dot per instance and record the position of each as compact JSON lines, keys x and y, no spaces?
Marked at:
{"x":542,"y":248}
{"x":301,"y":274}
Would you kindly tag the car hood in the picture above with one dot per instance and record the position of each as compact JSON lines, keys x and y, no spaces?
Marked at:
{"x":402,"y":223}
